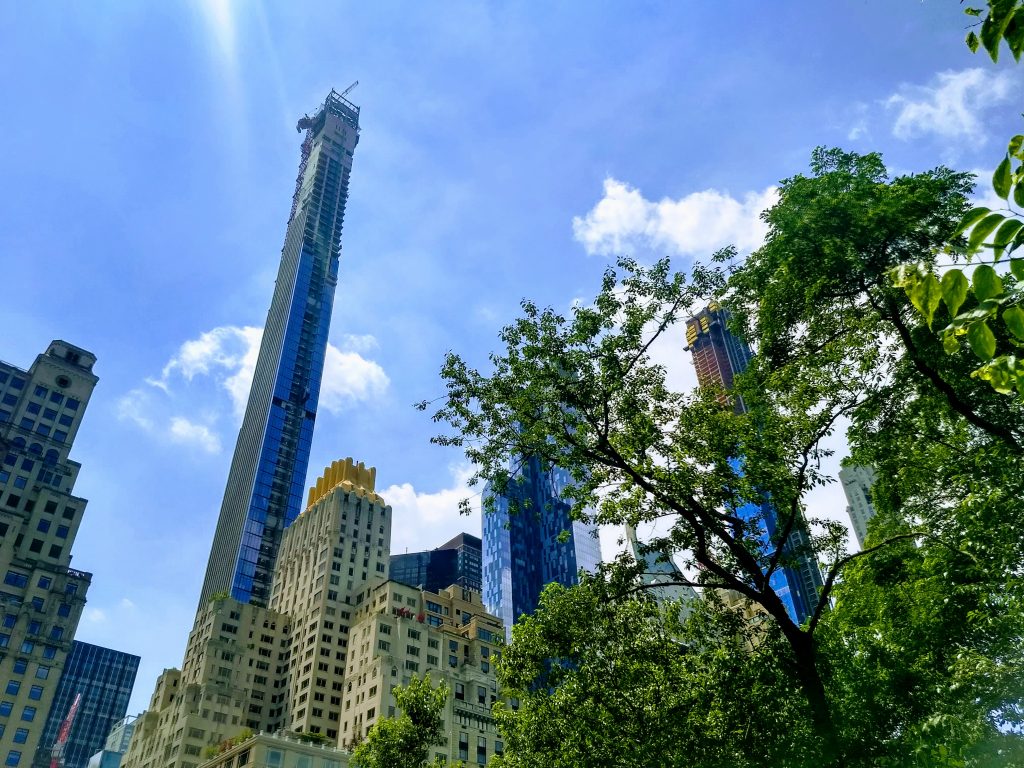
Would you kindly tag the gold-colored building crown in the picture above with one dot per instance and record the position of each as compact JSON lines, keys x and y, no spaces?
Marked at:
{"x":347,"y":474}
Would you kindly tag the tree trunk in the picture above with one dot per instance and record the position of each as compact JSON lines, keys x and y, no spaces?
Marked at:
{"x":805,"y":658}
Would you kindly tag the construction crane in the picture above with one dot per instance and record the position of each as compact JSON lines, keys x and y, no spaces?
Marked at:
{"x":306,"y":121}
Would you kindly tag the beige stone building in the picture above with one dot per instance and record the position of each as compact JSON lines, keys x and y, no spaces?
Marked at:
{"x":233,"y":664}
{"x":42,"y":597}
{"x":401,"y":631}
{"x":329,"y":558}
{"x":264,"y":750}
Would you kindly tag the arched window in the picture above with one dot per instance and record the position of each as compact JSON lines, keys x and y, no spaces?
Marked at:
{"x":36,"y":448}
{"x":51,"y":456}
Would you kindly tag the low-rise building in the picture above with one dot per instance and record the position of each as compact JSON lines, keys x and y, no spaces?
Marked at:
{"x":401,"y":631}
{"x":278,"y":750}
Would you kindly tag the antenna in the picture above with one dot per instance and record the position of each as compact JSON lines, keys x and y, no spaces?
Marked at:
{"x":349,"y":89}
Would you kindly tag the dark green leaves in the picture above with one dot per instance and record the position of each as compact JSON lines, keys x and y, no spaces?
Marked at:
{"x":1014,"y":319}
{"x":1002,"y":178}
{"x":982,"y":230}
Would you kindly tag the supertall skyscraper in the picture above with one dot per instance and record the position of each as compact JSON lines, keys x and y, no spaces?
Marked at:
{"x":265,"y":484}
{"x":523,"y":547}
{"x":719,"y":355}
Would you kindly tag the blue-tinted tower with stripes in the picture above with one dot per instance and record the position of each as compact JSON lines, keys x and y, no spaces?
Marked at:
{"x":264,"y":490}
{"x":718,"y":356}
{"x":523,"y":550}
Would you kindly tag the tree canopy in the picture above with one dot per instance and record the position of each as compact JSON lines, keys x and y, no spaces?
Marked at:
{"x":404,"y":741}
{"x":918,"y":660}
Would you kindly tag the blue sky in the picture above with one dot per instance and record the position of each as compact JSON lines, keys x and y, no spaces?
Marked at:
{"x":508,"y":150}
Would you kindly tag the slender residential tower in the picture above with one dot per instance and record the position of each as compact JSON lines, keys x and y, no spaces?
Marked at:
{"x":719,"y":355}
{"x":265,"y":485}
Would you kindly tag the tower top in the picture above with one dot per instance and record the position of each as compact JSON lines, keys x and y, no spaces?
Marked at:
{"x":335,"y":104}
{"x":348,"y":474}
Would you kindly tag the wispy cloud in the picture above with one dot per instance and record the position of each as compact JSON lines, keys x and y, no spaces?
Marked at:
{"x":218,"y":366}
{"x":624,"y":221}
{"x":952,"y":106}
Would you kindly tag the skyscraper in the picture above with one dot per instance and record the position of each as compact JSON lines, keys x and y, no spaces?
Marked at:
{"x":265,"y":484}
{"x":718,"y":356}
{"x":42,"y":597}
{"x":857,"y":482}
{"x":104,"y":678}
{"x":524,"y":549}
{"x":455,"y":562}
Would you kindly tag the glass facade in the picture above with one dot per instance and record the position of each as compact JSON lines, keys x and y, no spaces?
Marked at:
{"x":456,"y":562}
{"x":718,"y":356}
{"x":522,"y":550}
{"x":105,"y":679}
{"x":264,"y":491}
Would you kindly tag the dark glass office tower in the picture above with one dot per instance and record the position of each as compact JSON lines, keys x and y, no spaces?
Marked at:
{"x":265,"y":485}
{"x":455,"y":562}
{"x":522,"y":549}
{"x":719,"y":355}
{"x":104,"y":678}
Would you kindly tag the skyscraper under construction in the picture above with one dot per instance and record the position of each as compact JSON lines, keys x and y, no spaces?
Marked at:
{"x":719,"y":355}
{"x":264,"y":490}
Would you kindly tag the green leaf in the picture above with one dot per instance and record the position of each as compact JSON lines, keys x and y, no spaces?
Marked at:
{"x":1014,"y":319}
{"x":987,"y":284}
{"x":982,"y":230}
{"x":972,"y":11}
{"x":973,"y":42}
{"x":971,"y":218}
{"x":949,"y":343}
{"x":1016,"y":143}
{"x":990,"y":37}
{"x":1003,"y":178}
{"x":926,"y":295}
{"x":1017,"y":268}
{"x":1018,"y":194}
{"x":1014,"y":34}
{"x":981,"y":339}
{"x":1004,"y":235}
{"x":954,"y":290}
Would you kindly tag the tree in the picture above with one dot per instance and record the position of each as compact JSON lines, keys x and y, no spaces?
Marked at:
{"x":835,"y":341}
{"x":405,"y":741}
{"x":604,"y":677}
{"x":986,"y":299}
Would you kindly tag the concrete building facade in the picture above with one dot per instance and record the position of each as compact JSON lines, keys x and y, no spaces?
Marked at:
{"x":279,"y":750}
{"x":42,"y":596}
{"x":401,"y":631}
{"x":857,"y":482}
{"x":268,"y":470}
{"x":457,"y":561}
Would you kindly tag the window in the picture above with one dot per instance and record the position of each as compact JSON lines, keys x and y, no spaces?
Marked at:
{"x":460,"y":692}
{"x":20,"y":665}
{"x":10,"y":620}
{"x":28,"y":714}
{"x":50,"y":414}
{"x":481,"y":695}
{"x":62,"y":531}
{"x":65,"y":420}
{"x":45,"y":582}
{"x":43,"y":429}
{"x":16,"y":579}
{"x":13,"y":757}
{"x":13,"y":686}
{"x":57,"y":397}
{"x":35,"y":692}
{"x":60,"y":435}
{"x":21,"y":736}
{"x":40,"y":391}
{"x":71,"y":404}
{"x":28,"y":646}
{"x":463,"y":746}
{"x":5,"y":708}
{"x":43,"y":526}
{"x":481,"y":750}
{"x":49,"y":652}
{"x":64,"y":610}
{"x":56,"y":633}
{"x":43,"y":672}
{"x":32,"y":407}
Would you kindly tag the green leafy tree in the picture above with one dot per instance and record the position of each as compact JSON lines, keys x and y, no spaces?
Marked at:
{"x":836,"y":340}
{"x":405,"y":741}
{"x":987,"y":300}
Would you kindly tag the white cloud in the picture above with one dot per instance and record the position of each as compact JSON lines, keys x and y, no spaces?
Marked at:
{"x":426,"y":520}
{"x":951,"y":106}
{"x":623,"y":220}
{"x":199,"y":435}
{"x":127,"y":604}
{"x":225,"y":358}
{"x":94,"y":616}
{"x":350,"y":378}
